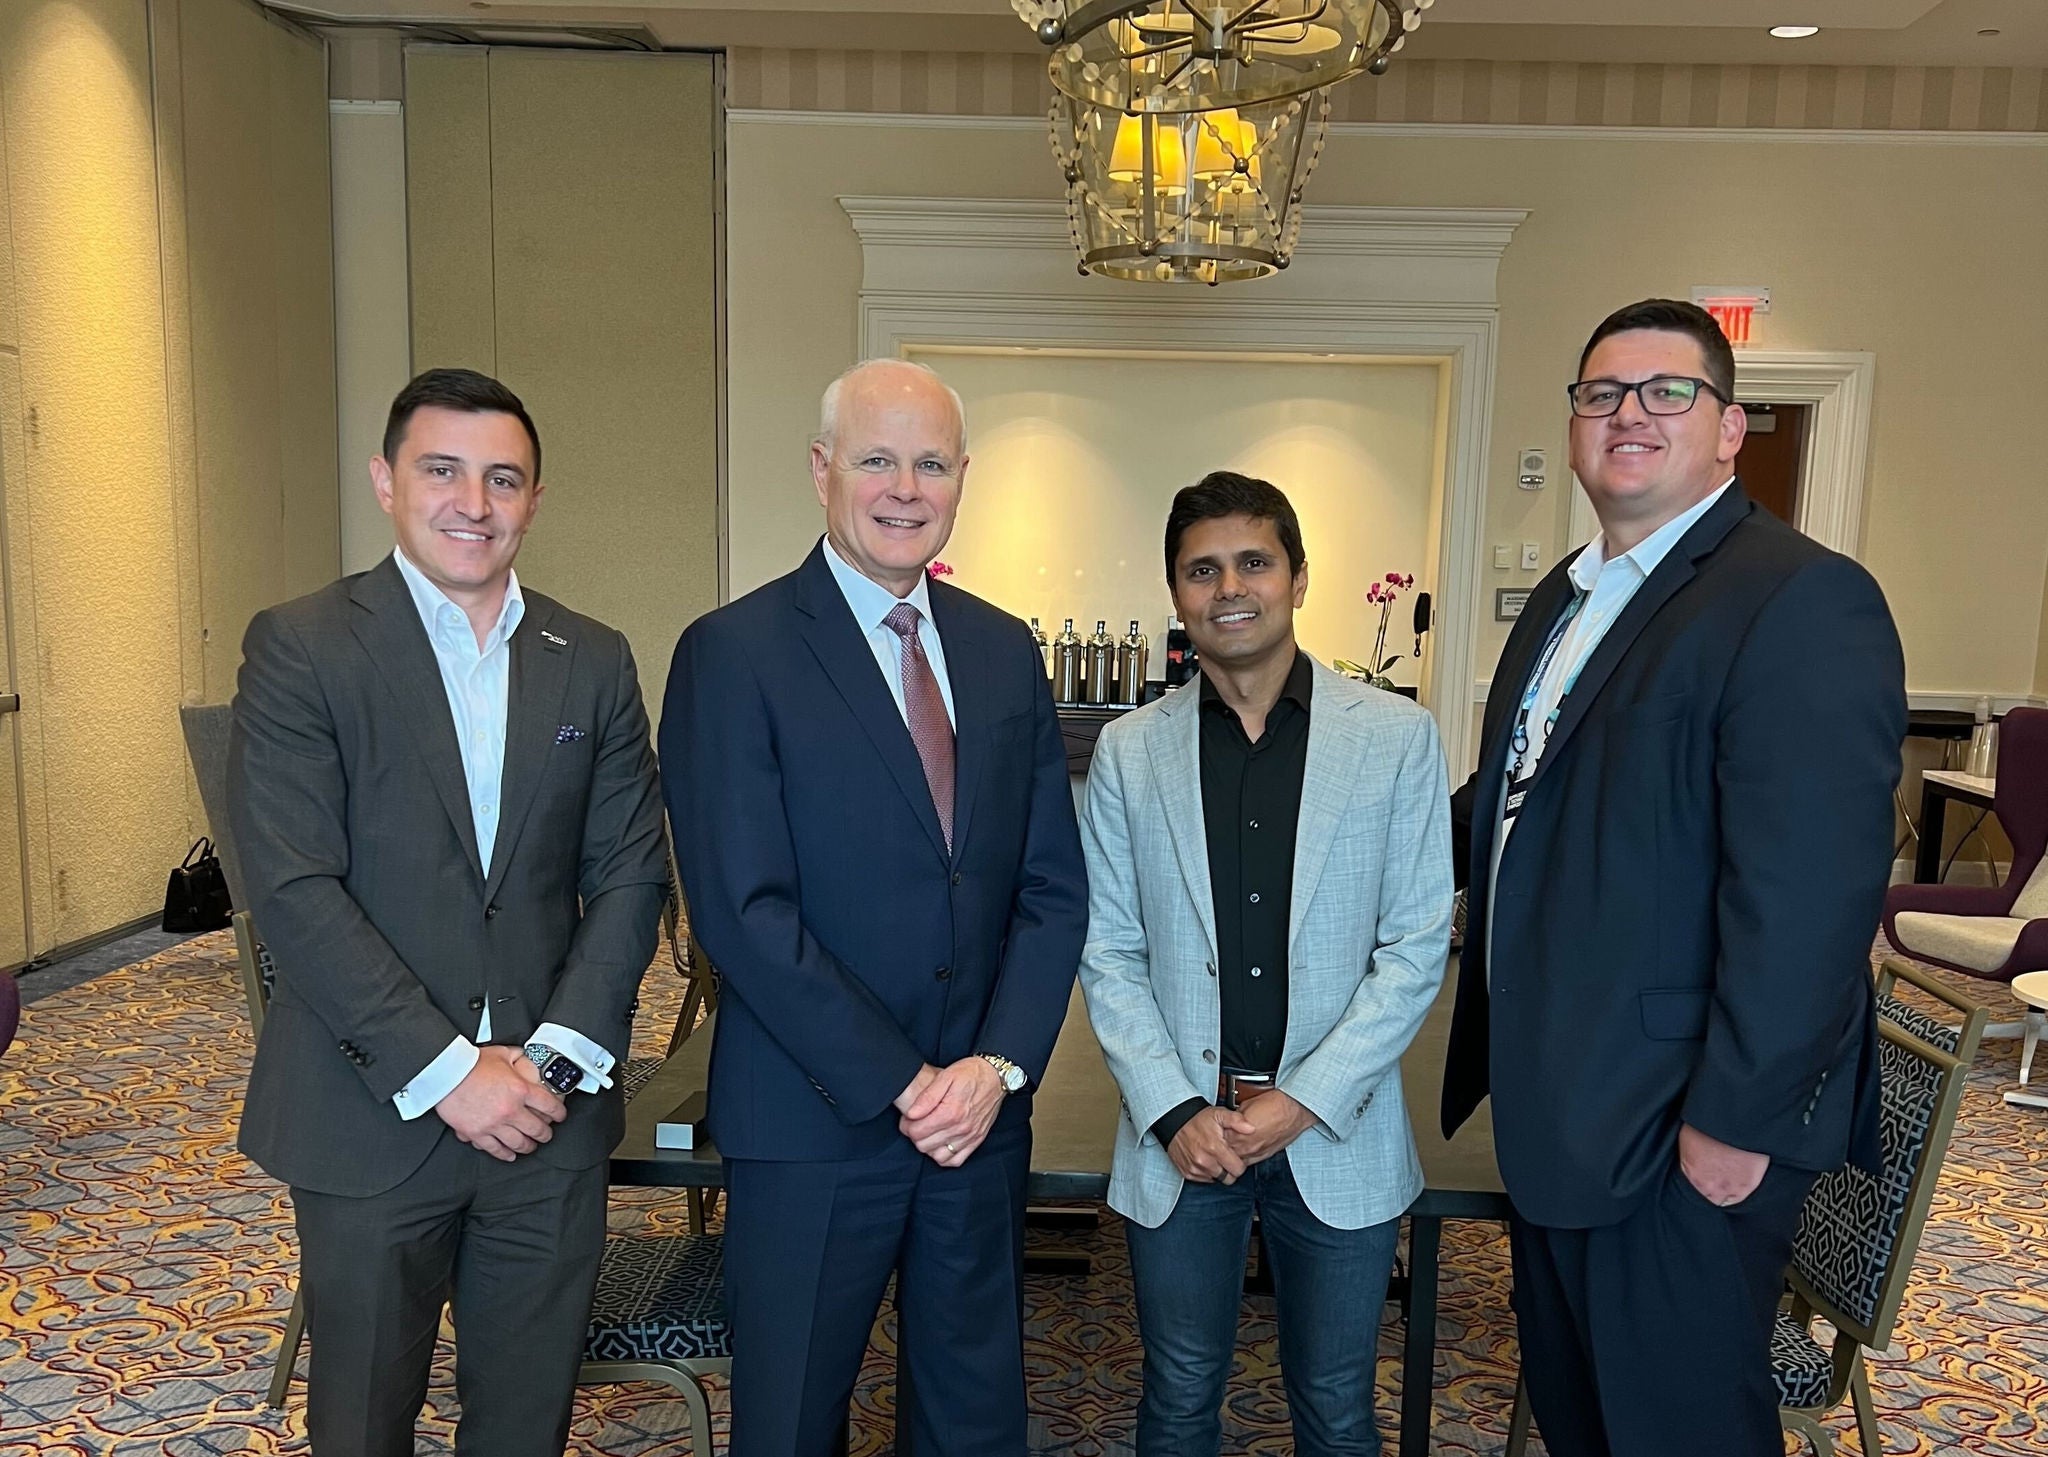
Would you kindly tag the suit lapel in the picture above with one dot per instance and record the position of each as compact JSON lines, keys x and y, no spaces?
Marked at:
{"x":533,"y":716}
{"x":971,"y":719}
{"x":835,"y":640}
{"x":1175,"y":747}
{"x":1326,"y":783}
{"x":395,"y":641}
{"x":1677,"y":568}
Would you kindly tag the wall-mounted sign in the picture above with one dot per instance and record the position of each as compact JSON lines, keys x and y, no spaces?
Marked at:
{"x":1733,"y":307}
{"x":1508,"y":602}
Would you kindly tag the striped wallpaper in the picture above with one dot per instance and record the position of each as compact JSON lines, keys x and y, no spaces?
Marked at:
{"x":1494,"y":93}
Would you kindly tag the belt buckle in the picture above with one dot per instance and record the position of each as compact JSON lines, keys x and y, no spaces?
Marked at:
{"x":1229,"y":1090}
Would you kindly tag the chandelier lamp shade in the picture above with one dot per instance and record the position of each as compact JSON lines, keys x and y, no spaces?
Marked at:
{"x":1173,"y":57}
{"x":1197,"y":197}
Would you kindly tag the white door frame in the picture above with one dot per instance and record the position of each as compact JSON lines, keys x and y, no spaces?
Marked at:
{"x":1407,"y":284}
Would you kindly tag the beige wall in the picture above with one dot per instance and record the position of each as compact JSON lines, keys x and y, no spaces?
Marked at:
{"x":562,"y":212}
{"x":1903,"y":249}
{"x":163,"y":456}
{"x":1065,"y":502}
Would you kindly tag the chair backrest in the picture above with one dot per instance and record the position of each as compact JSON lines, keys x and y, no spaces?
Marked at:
{"x":206,"y":742}
{"x":2021,"y":802}
{"x":10,"y":1009}
{"x":700,"y":978}
{"x":1858,"y":1235}
{"x":259,"y":972}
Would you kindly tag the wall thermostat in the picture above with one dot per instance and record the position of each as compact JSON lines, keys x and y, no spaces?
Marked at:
{"x":1534,"y":471}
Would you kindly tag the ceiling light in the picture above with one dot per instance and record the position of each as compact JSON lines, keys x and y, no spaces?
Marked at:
{"x":1205,"y":197}
{"x":1172,"y":57}
{"x":1794,"y":32}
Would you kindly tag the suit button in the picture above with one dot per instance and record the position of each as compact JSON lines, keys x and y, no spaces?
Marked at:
{"x":633,"y":1008}
{"x":476,"y":1004}
{"x":491,"y":911}
{"x":956,"y":877}
{"x":1207,"y":1055}
{"x":347,"y":1048}
{"x":1212,"y":968}
{"x":944,"y":973}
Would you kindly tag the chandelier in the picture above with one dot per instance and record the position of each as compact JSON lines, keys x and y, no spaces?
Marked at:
{"x":1197,"y":197}
{"x":1178,"y":56}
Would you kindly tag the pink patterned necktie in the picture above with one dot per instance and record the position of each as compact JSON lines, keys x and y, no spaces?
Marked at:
{"x":925,"y":707}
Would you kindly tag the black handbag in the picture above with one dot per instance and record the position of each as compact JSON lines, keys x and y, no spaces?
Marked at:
{"x":197,"y":897}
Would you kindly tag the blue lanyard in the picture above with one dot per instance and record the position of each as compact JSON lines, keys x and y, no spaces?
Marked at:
{"x":1519,"y":742}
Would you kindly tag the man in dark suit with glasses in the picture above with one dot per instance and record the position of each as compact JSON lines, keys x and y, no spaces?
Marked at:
{"x":1677,"y":842}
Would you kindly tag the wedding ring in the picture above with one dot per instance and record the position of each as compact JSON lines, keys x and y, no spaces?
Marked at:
{"x":952,"y":1147}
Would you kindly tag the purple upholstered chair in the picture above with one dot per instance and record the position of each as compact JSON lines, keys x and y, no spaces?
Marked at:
{"x":1994,"y":932}
{"x":10,"y":1009}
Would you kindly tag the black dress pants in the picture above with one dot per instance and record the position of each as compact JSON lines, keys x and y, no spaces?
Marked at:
{"x":1651,"y":1337}
{"x":513,"y":1248}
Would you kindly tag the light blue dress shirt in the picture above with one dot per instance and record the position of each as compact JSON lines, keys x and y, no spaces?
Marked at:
{"x":478,"y":681}
{"x":871,"y":603}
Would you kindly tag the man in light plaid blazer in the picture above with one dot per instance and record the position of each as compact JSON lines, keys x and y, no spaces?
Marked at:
{"x":1269,"y":917}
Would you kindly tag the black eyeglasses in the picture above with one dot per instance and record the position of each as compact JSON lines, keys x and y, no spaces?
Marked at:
{"x":1664,"y":394}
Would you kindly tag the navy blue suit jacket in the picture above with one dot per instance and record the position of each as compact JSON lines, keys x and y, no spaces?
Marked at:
{"x":1681,"y":930}
{"x":852,"y":948}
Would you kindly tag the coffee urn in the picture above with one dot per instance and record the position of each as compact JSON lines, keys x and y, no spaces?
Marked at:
{"x":1101,"y":664}
{"x":1044,"y":647}
{"x":1131,"y":654}
{"x":1067,"y":668}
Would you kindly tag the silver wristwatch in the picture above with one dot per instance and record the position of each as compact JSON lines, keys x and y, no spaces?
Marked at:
{"x":1012,"y":1075}
{"x":559,"y":1073}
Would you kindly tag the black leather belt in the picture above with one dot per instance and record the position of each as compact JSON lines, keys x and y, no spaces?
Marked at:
{"x":1234,"y":1090}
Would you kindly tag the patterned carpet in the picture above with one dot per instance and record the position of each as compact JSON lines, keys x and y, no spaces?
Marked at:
{"x":146,"y":1270}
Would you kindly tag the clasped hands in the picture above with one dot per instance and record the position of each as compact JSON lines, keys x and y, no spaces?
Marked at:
{"x":948,"y":1111}
{"x":502,"y":1107}
{"x":1218,"y":1144}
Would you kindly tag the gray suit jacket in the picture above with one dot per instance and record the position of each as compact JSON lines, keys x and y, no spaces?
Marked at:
{"x":347,"y":798}
{"x":1368,"y":937}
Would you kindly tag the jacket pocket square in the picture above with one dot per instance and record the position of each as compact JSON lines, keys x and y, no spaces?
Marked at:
{"x":568,"y":733}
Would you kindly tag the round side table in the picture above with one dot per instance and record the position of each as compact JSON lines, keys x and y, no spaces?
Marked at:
{"x":2031,"y":988}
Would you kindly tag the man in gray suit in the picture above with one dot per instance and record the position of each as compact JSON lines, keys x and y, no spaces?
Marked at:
{"x":1269,"y":916}
{"x":444,"y":799}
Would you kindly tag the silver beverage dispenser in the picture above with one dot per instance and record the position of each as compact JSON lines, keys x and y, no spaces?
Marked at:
{"x":1067,"y":666}
{"x":1131,"y":656}
{"x":1101,"y":664}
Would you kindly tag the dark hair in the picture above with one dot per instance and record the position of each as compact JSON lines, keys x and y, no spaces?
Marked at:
{"x":455,"y":389}
{"x":1226,"y":493}
{"x":1669,"y":316}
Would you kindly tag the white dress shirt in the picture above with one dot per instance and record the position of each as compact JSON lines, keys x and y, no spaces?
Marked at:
{"x":871,"y":603}
{"x":1605,"y":587}
{"x":478,"y":681}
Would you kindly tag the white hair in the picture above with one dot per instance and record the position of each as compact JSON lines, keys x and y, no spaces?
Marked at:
{"x":828,"y":407}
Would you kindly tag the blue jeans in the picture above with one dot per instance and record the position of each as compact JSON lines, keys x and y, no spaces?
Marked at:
{"x":1331,"y":1285}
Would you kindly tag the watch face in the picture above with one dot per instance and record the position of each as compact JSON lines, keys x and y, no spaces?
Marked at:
{"x":561,"y":1075}
{"x":1013,"y":1079}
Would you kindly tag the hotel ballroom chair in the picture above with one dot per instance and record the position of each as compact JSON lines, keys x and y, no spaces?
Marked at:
{"x":1992,"y":932}
{"x":10,"y":1009}
{"x":659,"y":1315}
{"x":1857,"y":1234}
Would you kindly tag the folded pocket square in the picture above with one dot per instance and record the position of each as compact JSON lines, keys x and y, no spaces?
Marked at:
{"x":568,"y":733}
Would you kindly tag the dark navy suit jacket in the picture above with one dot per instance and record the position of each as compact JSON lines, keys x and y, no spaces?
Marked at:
{"x":852,"y":947}
{"x":1681,"y":930}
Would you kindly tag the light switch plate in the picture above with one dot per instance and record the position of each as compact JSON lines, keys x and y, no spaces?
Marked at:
{"x":1503,"y":558}
{"x":1532,"y":556}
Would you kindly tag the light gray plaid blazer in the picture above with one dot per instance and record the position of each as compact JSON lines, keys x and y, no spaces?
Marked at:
{"x":1368,"y":935}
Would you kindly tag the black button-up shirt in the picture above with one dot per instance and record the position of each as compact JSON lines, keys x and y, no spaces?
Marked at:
{"x":1251,"y":805}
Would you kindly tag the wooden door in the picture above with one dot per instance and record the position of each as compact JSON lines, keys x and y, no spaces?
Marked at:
{"x":1772,"y":456}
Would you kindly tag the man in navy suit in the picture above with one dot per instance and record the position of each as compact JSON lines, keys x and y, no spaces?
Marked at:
{"x":873,"y":822}
{"x":1677,"y":843}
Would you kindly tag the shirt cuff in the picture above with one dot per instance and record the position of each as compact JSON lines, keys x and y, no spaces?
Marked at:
{"x":1175,"y":1119}
{"x":594,"y":1060}
{"x":436,"y":1080}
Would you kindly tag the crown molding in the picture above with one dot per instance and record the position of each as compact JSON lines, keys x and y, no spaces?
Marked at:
{"x":1445,"y":131}
{"x":1328,"y":231}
